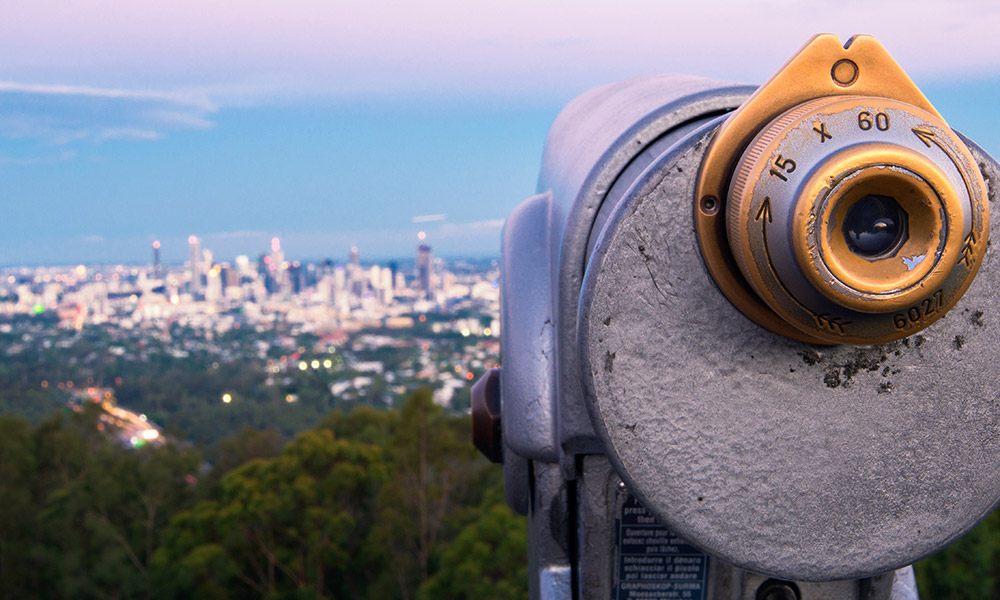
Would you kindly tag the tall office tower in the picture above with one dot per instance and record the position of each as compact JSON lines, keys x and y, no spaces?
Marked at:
{"x":386,"y":286}
{"x":325,"y":267}
{"x":195,"y":248}
{"x":229,"y":276}
{"x":355,"y":279}
{"x":265,"y":267}
{"x":213,"y":284}
{"x":243,"y":266}
{"x":295,"y":277}
{"x":324,"y":289}
{"x":425,"y":264}
{"x":394,"y":269}
{"x":341,"y":298}
{"x":279,"y":269}
{"x":339,"y":282}
{"x":157,"y":267}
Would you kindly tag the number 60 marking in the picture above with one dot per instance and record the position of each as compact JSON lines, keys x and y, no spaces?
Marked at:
{"x":865,"y":121}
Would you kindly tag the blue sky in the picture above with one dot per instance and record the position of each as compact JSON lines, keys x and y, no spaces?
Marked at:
{"x":334,"y":124}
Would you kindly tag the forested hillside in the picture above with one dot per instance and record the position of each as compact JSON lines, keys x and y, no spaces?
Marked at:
{"x":369,"y":504}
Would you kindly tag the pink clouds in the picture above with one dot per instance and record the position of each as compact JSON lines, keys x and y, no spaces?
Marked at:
{"x":316,"y":47}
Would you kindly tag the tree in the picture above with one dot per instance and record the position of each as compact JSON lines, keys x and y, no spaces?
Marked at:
{"x":18,"y":513}
{"x":102,"y":508}
{"x":488,"y":559}
{"x":286,"y":527}
{"x":248,"y":444}
{"x":431,"y":470}
{"x":968,"y":569}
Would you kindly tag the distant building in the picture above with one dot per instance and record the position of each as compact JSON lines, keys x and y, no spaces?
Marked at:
{"x":157,"y":267}
{"x":279,"y":269}
{"x":195,"y":252}
{"x":243,"y":267}
{"x":394,"y":270}
{"x":425,"y":266}
{"x":385,"y":287}
{"x":213,"y":285}
{"x":355,"y":278}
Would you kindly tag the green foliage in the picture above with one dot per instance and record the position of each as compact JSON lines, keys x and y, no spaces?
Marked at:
{"x":968,"y":569}
{"x":81,"y":516}
{"x":363,"y":424}
{"x":432,"y":471}
{"x":370,"y":504}
{"x":280,"y":527}
{"x":18,"y":473}
{"x":486,"y":561}
{"x":246,"y":445}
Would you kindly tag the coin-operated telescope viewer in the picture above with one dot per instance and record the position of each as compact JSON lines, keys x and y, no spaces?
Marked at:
{"x":751,"y":337}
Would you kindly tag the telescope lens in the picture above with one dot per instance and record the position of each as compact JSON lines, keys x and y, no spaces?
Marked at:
{"x":874,"y":226}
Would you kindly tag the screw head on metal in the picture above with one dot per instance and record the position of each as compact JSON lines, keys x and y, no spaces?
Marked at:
{"x":775,"y":589}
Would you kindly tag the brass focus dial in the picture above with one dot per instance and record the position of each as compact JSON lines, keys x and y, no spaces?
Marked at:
{"x":847,"y":212}
{"x":852,"y":218}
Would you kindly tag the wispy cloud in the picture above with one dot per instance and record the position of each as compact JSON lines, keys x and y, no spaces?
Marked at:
{"x":41,"y":160}
{"x":428,"y":218}
{"x":192,"y":99}
{"x":179,"y":118}
{"x":128,"y":133}
{"x":473,"y":227}
{"x":60,"y":114}
{"x":92,"y":239}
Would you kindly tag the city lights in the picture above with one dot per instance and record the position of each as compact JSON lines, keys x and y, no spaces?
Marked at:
{"x":366,"y":330}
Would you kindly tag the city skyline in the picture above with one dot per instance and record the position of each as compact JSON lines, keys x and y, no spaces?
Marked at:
{"x":177,"y":253}
{"x":332,"y":125}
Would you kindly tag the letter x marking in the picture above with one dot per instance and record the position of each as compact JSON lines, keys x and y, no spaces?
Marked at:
{"x":823,"y":133}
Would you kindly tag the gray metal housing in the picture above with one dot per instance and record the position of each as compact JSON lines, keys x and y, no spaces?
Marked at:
{"x":802,"y":462}
{"x":591,"y":144}
{"x":614,"y":152}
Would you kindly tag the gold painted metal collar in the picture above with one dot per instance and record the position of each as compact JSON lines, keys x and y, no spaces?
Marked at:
{"x":823,"y":67}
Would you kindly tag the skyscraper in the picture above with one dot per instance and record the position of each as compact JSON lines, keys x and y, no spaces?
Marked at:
{"x":195,"y":248}
{"x":355,"y":279}
{"x":425,"y":262}
{"x":394,"y":269}
{"x":278,"y":266}
{"x":157,"y":267}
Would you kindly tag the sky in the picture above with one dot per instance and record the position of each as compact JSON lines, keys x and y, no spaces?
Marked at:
{"x":335,"y":124}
